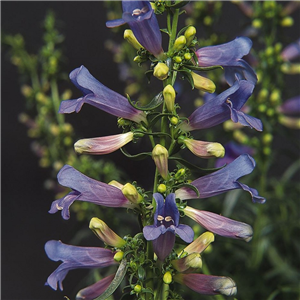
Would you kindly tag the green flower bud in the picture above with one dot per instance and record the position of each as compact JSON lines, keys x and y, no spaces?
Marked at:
{"x":174,"y":120}
{"x":257,"y":23}
{"x":190,"y":34}
{"x":167,"y":279}
{"x":179,"y":43}
{"x":169,"y":97}
{"x":201,"y":243}
{"x":26,"y":90}
{"x":131,"y":39}
{"x":131,"y":193}
{"x":162,"y":188}
{"x":160,"y":156}
{"x":119,"y":256}
{"x":180,"y":173}
{"x":202,"y":83}
{"x":161,"y":71}
{"x":267,"y":138}
{"x":137,"y":288}
{"x":177,"y":59}
{"x":116,"y":184}
{"x":187,"y":56}
{"x":290,"y":122}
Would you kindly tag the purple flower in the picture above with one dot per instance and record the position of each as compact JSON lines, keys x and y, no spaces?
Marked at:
{"x":74,"y":257}
{"x":142,"y":20}
{"x":223,"y":180}
{"x":232,"y":151}
{"x":220,"y":225}
{"x":98,"y":95}
{"x":86,"y":189}
{"x":166,"y":225}
{"x":207,"y":284}
{"x":229,"y":56}
{"x":290,"y":106}
{"x":291,"y":51}
{"x":223,"y":107}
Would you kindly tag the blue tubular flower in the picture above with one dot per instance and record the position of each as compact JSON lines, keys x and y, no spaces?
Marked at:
{"x":223,"y":107}
{"x":86,"y":189}
{"x":142,"y":20}
{"x":166,"y":225}
{"x":207,"y":284}
{"x":74,"y":257}
{"x":229,"y":56}
{"x":223,"y":180}
{"x":98,"y":95}
{"x":232,"y":151}
{"x":220,"y":225}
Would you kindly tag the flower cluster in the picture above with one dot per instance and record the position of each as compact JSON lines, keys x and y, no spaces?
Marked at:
{"x":152,"y":261}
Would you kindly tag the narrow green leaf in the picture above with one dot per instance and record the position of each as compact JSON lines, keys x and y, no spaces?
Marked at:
{"x":190,"y":186}
{"x":196,"y":68}
{"x":116,"y":281}
{"x":154,"y":103}
{"x":139,"y":156}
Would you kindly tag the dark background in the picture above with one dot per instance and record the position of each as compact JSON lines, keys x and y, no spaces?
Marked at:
{"x":25,"y":223}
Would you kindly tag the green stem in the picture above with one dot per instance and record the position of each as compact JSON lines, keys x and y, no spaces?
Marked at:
{"x":56,"y":102}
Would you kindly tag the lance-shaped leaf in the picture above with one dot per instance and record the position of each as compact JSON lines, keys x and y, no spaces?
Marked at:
{"x":86,"y":189}
{"x":100,"y":96}
{"x":223,"y":180}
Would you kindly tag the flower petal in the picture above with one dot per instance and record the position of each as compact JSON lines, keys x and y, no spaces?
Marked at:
{"x":74,"y":257}
{"x":164,"y":244}
{"x":151,"y":232}
{"x":185,"y":232}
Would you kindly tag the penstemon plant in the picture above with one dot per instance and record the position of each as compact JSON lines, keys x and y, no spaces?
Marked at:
{"x":163,"y":253}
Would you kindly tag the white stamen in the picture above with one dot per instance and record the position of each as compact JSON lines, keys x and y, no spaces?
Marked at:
{"x":160,"y":218}
{"x":137,"y":11}
{"x":168,"y":219}
{"x":59,"y":207}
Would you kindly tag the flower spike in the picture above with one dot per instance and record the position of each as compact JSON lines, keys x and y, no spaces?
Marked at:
{"x":100,"y":96}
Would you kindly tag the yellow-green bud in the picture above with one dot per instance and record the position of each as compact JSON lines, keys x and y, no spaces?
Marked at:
{"x":131,"y":39}
{"x":187,"y":56}
{"x":174,"y":120}
{"x":275,"y":96}
{"x":26,"y":90}
{"x":119,"y":256}
{"x":179,"y":43}
{"x":161,"y":188}
{"x":104,"y":233}
{"x":177,"y":59}
{"x":207,"y":20}
{"x":201,"y":243}
{"x":202,"y":83}
{"x":116,"y":184}
{"x":257,"y":23}
{"x":179,"y":173}
{"x":290,"y":122}
{"x":263,"y":94}
{"x":190,"y":34}
{"x":291,"y":69}
{"x":160,"y":156}
{"x":287,"y":22}
{"x":169,"y":97}
{"x":240,"y":136}
{"x":138,"y":59}
{"x":131,"y":193}
{"x":267,"y":138}
{"x":262,"y":107}
{"x":161,"y":71}
{"x":167,"y":279}
{"x":216,"y":149}
{"x":137,"y":288}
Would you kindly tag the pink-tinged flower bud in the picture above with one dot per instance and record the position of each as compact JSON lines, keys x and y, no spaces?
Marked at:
{"x":207,"y":284}
{"x":169,"y":97}
{"x":190,"y":34}
{"x":103,"y":145}
{"x":192,"y":260}
{"x":160,"y":156}
{"x":203,"y":84}
{"x":131,"y":39}
{"x":167,"y":279}
{"x":179,"y":43}
{"x":205,"y":149}
{"x":105,"y":234}
{"x":131,"y":193}
{"x":201,"y":243}
{"x":161,"y":71}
